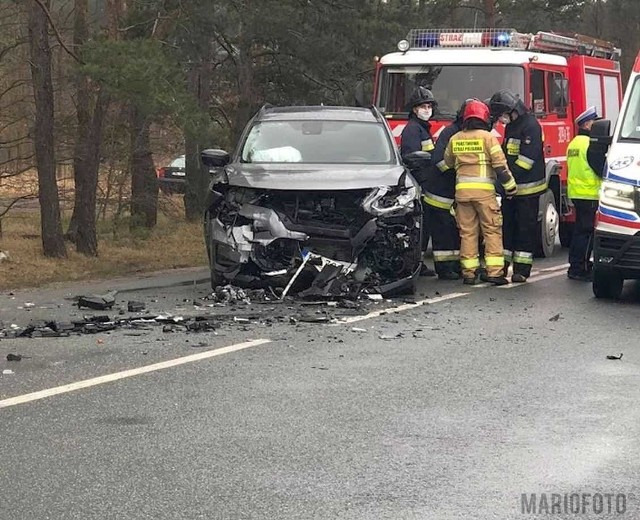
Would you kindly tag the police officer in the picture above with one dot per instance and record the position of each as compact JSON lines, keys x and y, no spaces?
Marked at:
{"x":439,"y":197}
{"x":523,"y":148}
{"x":478,"y":159}
{"x":583,"y":187}
{"x":416,"y":136}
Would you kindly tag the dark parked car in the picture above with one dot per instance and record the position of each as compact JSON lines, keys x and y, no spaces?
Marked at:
{"x":325,"y":183}
{"x":172,"y":178}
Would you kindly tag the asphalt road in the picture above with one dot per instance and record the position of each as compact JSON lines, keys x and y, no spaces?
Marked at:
{"x":448,"y":409}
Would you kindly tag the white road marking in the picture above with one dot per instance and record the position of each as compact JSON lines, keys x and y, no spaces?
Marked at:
{"x":555,"y":268}
{"x":552,"y":274}
{"x":536,"y":276}
{"x":35,"y":396}
{"x":399,"y":308}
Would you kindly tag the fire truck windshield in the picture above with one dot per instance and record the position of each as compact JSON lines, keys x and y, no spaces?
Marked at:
{"x":451,"y":85}
{"x":630,"y":129}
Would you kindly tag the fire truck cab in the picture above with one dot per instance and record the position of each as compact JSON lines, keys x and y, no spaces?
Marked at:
{"x":556,"y":76}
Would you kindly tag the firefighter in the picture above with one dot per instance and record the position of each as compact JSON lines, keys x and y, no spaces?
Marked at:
{"x":523,"y":148}
{"x":415,"y":137}
{"x":583,"y":187}
{"x":478,"y":160}
{"x":439,"y":197}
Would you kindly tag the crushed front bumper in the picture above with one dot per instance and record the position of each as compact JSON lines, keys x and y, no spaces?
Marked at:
{"x":253,"y":245}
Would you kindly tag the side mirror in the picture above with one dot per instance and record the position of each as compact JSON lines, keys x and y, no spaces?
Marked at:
{"x":601,"y":132}
{"x":417,"y":160}
{"x":214,"y":158}
{"x":599,"y":142}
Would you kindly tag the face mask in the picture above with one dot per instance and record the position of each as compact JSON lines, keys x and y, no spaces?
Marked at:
{"x":425,"y":113}
{"x":505,"y":119}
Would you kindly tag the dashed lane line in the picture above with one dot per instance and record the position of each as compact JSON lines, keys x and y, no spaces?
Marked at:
{"x":555,"y":268}
{"x":72,"y":387}
{"x":539,"y":278}
{"x":399,"y":308}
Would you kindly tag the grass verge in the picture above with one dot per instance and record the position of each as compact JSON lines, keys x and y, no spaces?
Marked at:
{"x":172,"y":244}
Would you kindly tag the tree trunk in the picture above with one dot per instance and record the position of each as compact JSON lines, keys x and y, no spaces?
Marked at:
{"x":246,"y":86}
{"x":490,"y":13}
{"x":86,"y":196}
{"x":192,"y":198}
{"x":197,"y":179}
{"x":86,"y":161}
{"x":50,"y":222}
{"x":144,"y":185}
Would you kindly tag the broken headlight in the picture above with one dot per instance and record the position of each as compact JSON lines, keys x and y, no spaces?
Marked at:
{"x":390,"y":201}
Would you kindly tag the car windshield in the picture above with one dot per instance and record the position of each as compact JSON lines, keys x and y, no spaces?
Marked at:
{"x":630,"y":129}
{"x":451,"y":85}
{"x":315,"y":141}
{"x":178,"y":163}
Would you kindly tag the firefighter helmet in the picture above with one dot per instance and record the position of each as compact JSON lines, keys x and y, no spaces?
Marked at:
{"x":476,"y":109}
{"x":420,"y":96}
{"x":460,"y":112}
{"x":506,"y":101}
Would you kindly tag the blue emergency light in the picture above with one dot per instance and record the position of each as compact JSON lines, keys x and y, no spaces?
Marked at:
{"x":430,"y":38}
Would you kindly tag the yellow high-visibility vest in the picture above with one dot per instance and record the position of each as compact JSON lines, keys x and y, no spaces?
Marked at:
{"x":582,"y":181}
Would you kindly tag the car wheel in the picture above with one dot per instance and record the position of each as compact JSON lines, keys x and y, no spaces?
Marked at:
{"x":607,"y":283}
{"x":566,"y":233}
{"x":216,"y":277}
{"x":547,"y":229}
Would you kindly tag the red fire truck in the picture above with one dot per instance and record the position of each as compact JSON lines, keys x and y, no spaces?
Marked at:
{"x":557,"y":76}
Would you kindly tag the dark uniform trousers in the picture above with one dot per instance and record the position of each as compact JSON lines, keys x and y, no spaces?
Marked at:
{"x":445,"y":239}
{"x":523,"y":146}
{"x":582,"y":240}
{"x":520,"y":223}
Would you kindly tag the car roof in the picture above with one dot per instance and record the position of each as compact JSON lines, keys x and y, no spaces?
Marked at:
{"x":323,"y":113}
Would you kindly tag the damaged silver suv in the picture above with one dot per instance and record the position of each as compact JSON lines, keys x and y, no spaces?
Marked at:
{"x":316,"y":200}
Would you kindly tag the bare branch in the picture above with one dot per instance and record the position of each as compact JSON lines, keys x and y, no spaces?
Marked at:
{"x":56,"y":32}
{"x":14,"y":202}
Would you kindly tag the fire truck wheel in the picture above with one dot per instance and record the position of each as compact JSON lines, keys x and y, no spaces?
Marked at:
{"x":547,"y":226}
{"x":566,"y":233}
{"x":607,"y":283}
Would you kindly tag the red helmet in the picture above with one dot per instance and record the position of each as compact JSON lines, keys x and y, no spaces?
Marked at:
{"x":476,"y":108}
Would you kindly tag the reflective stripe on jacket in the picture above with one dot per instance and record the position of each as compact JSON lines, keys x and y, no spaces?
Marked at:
{"x":474,"y":154}
{"x":523,"y":147}
{"x":582,"y":181}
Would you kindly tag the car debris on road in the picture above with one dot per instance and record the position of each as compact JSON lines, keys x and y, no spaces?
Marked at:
{"x":98,"y":302}
{"x":134,"y":306}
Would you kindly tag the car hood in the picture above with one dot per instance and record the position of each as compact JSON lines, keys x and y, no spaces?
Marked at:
{"x":313,"y":177}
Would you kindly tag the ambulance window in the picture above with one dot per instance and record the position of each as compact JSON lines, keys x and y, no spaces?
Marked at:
{"x":630,"y":128}
{"x":611,"y":99}
{"x":557,"y":89}
{"x":594,"y":92}
{"x":537,"y":92}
